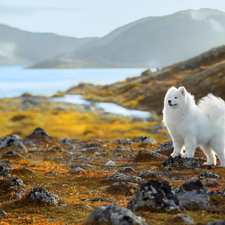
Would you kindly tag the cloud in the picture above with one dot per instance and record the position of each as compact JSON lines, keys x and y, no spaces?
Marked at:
{"x":6,"y":10}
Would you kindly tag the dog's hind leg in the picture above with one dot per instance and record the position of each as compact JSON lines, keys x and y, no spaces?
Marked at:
{"x":219,"y":150}
{"x":211,"y":158}
{"x":177,"y":149}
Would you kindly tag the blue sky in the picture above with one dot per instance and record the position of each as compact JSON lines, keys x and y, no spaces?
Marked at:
{"x":89,"y":18}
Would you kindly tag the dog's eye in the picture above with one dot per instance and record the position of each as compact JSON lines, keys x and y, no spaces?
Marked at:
{"x":175,"y":97}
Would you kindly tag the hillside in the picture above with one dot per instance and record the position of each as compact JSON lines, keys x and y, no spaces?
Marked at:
{"x":18,"y":47}
{"x":201,"y":75}
{"x":150,"y":42}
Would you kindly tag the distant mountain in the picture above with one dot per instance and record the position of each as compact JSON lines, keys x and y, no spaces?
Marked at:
{"x":150,"y":42}
{"x":19,"y":47}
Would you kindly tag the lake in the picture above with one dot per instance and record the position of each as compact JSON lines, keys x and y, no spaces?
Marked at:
{"x":17,"y":80}
{"x":107,"y":106}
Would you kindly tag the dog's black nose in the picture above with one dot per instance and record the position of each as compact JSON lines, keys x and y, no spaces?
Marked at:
{"x":169,"y":101}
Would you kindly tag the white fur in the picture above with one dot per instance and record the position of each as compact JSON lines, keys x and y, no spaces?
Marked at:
{"x":192,"y":125}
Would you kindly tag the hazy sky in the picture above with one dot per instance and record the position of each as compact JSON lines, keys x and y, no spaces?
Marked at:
{"x":88,"y":18}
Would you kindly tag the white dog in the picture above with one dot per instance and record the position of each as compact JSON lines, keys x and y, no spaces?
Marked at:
{"x":192,"y":125}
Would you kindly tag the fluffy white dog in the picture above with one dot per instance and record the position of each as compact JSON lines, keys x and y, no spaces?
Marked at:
{"x":192,"y":125}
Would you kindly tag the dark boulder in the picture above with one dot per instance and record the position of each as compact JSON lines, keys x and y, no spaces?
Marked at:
{"x":40,"y":134}
{"x":12,"y":140}
{"x":42,"y":196}
{"x":186,"y":162}
{"x":113,"y":215}
{"x":154,"y":195}
{"x":193,"y":195}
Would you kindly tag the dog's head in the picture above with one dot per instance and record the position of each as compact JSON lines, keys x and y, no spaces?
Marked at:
{"x":175,"y":96}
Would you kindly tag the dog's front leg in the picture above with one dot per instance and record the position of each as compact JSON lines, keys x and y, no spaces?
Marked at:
{"x":190,"y":146}
{"x":177,"y":148}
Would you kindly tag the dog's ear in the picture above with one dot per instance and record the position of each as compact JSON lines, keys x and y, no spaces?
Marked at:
{"x":182,"y":90}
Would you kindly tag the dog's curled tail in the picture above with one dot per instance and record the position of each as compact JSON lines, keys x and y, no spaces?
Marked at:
{"x":213,"y":107}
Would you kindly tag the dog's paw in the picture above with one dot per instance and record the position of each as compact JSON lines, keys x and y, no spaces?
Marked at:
{"x":174,"y":155}
{"x":186,"y":155}
{"x":210,"y":164}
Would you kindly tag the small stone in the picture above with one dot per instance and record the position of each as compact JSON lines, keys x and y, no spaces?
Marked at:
{"x":147,"y":173}
{"x":126,"y":188}
{"x":3,"y":171}
{"x":12,"y":155}
{"x":185,"y":219}
{"x":166,"y":147}
{"x":211,"y":182}
{"x":124,"y":141}
{"x":148,"y":156}
{"x":110,"y":163}
{"x":77,"y":170}
{"x":204,"y":175}
{"x":218,"y":192}
{"x":16,"y":183}
{"x":83,"y":206}
{"x":127,"y":170}
{"x":144,"y":140}
{"x":68,"y":142}
{"x":97,"y":154}
{"x":31,"y":150}
{"x":91,"y":149}
{"x":124,"y":177}
{"x":91,"y":145}
{"x":100,"y":200}
{"x":121,"y":149}
{"x":2,"y":213}
{"x":52,"y":173}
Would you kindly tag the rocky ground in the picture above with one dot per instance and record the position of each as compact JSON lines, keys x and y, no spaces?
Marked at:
{"x":123,"y":181}
{"x":74,"y":164}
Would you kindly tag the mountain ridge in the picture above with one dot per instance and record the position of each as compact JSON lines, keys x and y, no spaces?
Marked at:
{"x":150,"y":42}
{"x":19,"y":47}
